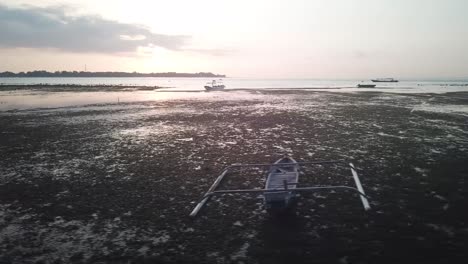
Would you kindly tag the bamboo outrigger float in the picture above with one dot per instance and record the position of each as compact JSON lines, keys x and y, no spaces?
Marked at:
{"x":281,"y":184}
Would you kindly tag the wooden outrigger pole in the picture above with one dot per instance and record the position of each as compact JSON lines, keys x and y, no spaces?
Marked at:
{"x":207,"y":196}
{"x":288,"y":188}
{"x":363,"y":196}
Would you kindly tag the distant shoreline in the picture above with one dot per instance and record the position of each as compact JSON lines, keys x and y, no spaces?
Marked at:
{"x":85,"y":74}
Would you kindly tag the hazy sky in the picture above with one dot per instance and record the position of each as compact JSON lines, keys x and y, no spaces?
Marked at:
{"x":256,"y":38}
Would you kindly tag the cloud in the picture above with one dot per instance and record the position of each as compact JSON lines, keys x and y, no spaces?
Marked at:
{"x":33,"y":27}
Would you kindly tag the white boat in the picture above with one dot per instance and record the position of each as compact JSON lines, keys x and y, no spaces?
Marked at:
{"x":284,"y":176}
{"x":215,"y":86}
{"x":282,"y":182}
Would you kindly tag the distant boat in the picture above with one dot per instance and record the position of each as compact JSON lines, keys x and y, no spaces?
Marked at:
{"x":215,"y":86}
{"x":384,"y":80}
{"x":362,"y":85}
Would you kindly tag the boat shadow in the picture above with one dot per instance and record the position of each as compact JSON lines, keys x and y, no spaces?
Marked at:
{"x":283,"y":238}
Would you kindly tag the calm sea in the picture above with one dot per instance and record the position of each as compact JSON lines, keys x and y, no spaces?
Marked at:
{"x":232,"y":83}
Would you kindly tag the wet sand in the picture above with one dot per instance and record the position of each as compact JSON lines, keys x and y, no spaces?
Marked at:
{"x":116,"y":182}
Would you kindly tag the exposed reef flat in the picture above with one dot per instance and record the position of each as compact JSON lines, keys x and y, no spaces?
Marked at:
{"x":116,"y":182}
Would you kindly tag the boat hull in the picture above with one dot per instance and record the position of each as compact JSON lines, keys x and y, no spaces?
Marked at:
{"x":284,"y":170}
{"x":366,"y":85}
{"x":215,"y":88}
{"x":384,"y":80}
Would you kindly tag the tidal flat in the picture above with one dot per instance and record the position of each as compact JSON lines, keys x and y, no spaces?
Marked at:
{"x":115,"y":182}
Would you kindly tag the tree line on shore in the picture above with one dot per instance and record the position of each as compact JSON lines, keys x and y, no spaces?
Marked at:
{"x":107,"y":74}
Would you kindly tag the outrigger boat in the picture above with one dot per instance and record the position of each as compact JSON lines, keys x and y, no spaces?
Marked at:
{"x":281,"y":186}
{"x":282,"y":177}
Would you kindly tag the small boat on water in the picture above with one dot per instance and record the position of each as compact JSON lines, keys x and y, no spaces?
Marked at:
{"x":282,"y":184}
{"x":215,"y":86}
{"x":364,"y":85}
{"x":384,"y":80}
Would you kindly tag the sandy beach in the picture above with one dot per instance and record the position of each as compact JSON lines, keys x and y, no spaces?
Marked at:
{"x":115,"y":182}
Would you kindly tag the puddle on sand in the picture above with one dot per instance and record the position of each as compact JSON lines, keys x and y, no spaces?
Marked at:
{"x":30,"y":100}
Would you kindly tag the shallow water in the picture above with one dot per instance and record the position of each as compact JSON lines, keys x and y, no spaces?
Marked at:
{"x":26,"y":99}
{"x":33,"y":99}
{"x":196,"y":84}
{"x":192,"y":89}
